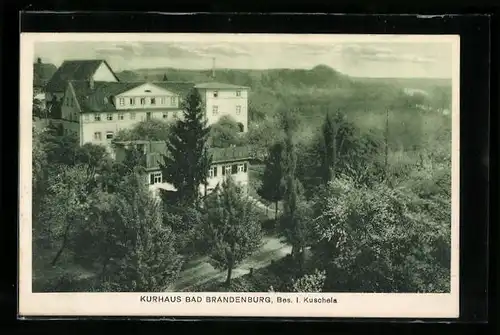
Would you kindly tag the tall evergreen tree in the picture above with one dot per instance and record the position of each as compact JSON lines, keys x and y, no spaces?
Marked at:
{"x":187,"y":161}
{"x":165,"y":77}
{"x":329,"y":155}
{"x":294,"y":222}
{"x":273,"y":183}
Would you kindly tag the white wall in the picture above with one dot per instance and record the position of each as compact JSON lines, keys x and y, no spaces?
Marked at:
{"x":226,"y":102}
{"x":141,"y":92}
{"x":240,"y":178}
{"x":103,"y":73}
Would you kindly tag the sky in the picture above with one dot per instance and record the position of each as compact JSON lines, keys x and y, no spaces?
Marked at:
{"x":377,"y":58}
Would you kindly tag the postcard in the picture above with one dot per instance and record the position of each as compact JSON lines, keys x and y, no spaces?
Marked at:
{"x":249,"y":175}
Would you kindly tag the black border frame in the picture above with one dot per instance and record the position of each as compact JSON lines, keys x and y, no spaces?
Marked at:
{"x":475,"y":34}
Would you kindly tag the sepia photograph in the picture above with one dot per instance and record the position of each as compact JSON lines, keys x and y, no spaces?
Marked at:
{"x":239,"y":174}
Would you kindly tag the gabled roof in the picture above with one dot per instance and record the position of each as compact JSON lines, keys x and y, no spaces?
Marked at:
{"x":155,"y":149}
{"x":74,"y":70}
{"x":220,"y":86}
{"x":99,"y":99}
{"x":220,"y":155}
{"x":42,"y":72}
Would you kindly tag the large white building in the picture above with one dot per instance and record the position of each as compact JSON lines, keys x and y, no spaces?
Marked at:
{"x":89,"y":100}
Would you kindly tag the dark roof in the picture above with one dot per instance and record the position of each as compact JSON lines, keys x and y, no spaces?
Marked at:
{"x":98,"y":99}
{"x":155,"y":149}
{"x":42,"y":72}
{"x":74,"y":70}
{"x":93,"y":100}
{"x":221,"y":86}
{"x":220,"y":155}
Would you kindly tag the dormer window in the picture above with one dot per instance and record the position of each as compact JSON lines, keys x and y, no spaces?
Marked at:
{"x":121,"y":101}
{"x":172,"y":101}
{"x":216,"y":94}
{"x":147,"y":91}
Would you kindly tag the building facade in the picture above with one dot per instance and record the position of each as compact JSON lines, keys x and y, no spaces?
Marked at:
{"x":226,"y":163}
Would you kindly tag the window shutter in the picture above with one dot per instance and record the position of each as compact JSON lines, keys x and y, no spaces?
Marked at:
{"x":215,"y":171}
{"x":223,"y":170}
{"x":245,"y":167}
{"x":234,"y":168}
{"x":151,"y":178}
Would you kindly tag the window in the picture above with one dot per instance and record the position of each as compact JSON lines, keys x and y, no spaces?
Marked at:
{"x":212,"y":172}
{"x":147,"y":91}
{"x":132,"y":101}
{"x":132,"y":116}
{"x":143,"y":101}
{"x":238,"y":110}
{"x":122,"y":102}
{"x":121,"y":116}
{"x":215,"y":110}
{"x":148,"y":116}
{"x":153,"y":101}
{"x":109,"y":117}
{"x":162,"y":100}
{"x":172,"y":101}
{"x":155,"y":178}
{"x":97,"y":136}
{"x":216,"y":94}
{"x":234,"y":169}
{"x":86,"y":117}
{"x":165,"y":115}
{"x":109,"y":135}
{"x":241,"y":168}
{"x":97,"y":117}
{"x":238,"y":93}
{"x":245,"y":167}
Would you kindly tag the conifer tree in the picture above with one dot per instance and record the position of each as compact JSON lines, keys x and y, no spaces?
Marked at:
{"x":165,"y":77}
{"x":328,"y":158}
{"x":294,"y":219}
{"x":186,"y":161}
{"x":273,"y":183}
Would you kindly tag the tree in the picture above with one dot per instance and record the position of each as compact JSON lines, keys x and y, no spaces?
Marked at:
{"x":293,"y":222}
{"x":233,"y":230}
{"x":225,"y":133}
{"x":65,"y":207}
{"x":273,"y":183}
{"x":150,"y":130}
{"x":310,"y":283}
{"x":381,"y":239}
{"x":142,"y":257}
{"x":329,"y":157}
{"x":186,"y":162}
{"x":165,"y":77}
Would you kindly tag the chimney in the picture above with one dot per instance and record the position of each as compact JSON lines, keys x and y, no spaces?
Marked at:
{"x":213,"y":68}
{"x":91,"y":83}
{"x":39,"y":60}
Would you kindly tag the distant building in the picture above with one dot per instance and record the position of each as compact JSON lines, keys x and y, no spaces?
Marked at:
{"x":42,"y":72}
{"x":226,"y":162}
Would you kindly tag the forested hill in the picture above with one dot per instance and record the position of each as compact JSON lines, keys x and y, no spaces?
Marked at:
{"x":320,"y":76}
